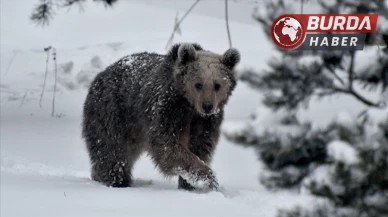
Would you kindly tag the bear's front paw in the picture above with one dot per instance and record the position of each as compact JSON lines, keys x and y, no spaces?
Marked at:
{"x":207,"y":179}
{"x":213,"y":183}
{"x":200,"y":178}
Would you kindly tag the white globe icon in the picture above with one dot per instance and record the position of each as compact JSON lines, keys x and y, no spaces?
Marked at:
{"x":291,"y":28}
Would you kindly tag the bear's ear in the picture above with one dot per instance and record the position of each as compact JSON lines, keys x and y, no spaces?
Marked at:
{"x":231,"y":57}
{"x":186,"y":53}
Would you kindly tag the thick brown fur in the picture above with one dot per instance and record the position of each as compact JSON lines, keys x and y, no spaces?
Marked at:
{"x":170,"y":106}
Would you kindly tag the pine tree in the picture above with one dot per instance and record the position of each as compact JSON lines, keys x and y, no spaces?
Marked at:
{"x":296,"y":77}
{"x":299,"y":75}
{"x":45,"y":9}
{"x":345,"y":164}
{"x":354,"y":180}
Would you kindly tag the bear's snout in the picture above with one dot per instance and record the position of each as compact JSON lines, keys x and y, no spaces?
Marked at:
{"x":207,"y":107}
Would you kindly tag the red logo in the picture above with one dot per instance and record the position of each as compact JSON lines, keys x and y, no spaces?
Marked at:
{"x":287,"y":32}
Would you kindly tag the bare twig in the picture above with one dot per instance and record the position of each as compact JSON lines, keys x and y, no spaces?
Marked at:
{"x":24,"y":97}
{"x":10,"y":62}
{"x":366,"y":101}
{"x":176,"y":26}
{"x":325,"y":93}
{"x":47,"y":50}
{"x":301,"y":6}
{"x":178,"y":30}
{"x":227,"y":23}
{"x":336,"y":76}
{"x":55,"y":83}
{"x":350,"y":90}
{"x":362,"y":113}
{"x":360,"y":97}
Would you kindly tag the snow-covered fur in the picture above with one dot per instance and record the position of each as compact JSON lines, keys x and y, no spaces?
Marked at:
{"x":168,"y":105}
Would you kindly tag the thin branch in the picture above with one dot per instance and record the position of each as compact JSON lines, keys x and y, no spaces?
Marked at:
{"x":366,"y":101}
{"x":178,"y":30}
{"x":10,"y":62}
{"x":227,"y":23}
{"x":326,"y":93}
{"x":24,"y":97}
{"x":47,"y":50}
{"x":176,"y":26}
{"x":301,"y":6}
{"x":351,"y":70}
{"x":341,"y":90}
{"x":55,"y":83}
{"x":359,"y":97}
{"x":352,"y":92}
{"x":336,"y":76}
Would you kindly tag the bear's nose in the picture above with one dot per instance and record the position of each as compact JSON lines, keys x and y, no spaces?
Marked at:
{"x":207,"y":107}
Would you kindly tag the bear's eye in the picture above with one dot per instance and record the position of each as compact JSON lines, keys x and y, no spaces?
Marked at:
{"x":198,"y":86}
{"x":217,"y":87}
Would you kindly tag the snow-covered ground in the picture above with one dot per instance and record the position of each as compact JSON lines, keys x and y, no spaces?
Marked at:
{"x":44,"y":165}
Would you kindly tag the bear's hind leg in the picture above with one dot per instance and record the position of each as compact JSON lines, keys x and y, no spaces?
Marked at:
{"x":112,"y":173}
{"x":115,"y":169}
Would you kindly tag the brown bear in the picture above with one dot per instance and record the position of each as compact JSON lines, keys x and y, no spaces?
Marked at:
{"x":170,"y":106}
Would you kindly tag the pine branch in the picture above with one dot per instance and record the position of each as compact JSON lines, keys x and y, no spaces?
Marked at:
{"x":326,"y":93}
{"x":359,"y":97}
{"x":385,"y":39}
{"x":350,"y":89}
{"x":252,"y":78}
{"x":42,"y":13}
{"x":107,"y":2}
{"x":44,"y":10}
{"x":366,"y":101}
{"x":69,"y":3}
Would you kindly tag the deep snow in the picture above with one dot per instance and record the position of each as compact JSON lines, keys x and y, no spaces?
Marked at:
{"x":44,"y":165}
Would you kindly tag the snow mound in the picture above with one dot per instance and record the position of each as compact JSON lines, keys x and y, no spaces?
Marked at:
{"x":345,"y":119}
{"x":343,"y":152}
{"x":18,"y":165}
{"x":264,"y":121}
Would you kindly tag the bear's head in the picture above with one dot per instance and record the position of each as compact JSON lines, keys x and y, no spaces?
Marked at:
{"x":205,"y":79}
